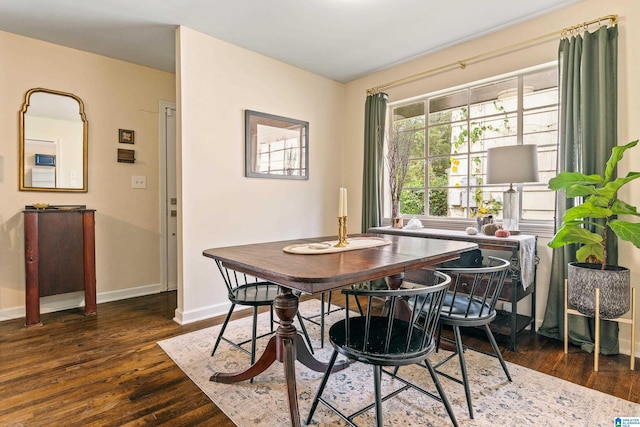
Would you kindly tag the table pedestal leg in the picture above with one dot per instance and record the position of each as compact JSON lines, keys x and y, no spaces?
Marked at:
{"x":286,"y":347}
{"x":402,"y":311}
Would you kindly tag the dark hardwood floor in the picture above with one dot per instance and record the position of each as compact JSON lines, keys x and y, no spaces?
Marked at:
{"x":108,"y":370}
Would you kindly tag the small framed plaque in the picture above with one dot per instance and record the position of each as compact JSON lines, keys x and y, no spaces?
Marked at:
{"x":126,"y":156}
{"x":126,"y":136}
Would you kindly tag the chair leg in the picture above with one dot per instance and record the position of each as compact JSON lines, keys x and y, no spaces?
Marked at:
{"x":328,"y":312}
{"x":463,"y":368}
{"x":377,"y":386}
{"x":438,"y":336}
{"x":443,"y":396}
{"x":497,"y":352}
{"x":254,"y":333}
{"x":224,"y":326}
{"x":304,"y":332}
{"x":322,"y":320}
{"x":323,"y":384}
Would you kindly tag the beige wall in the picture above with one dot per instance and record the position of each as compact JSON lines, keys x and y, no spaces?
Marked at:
{"x":219,"y":206}
{"x":116,"y":94}
{"x":628,"y":103}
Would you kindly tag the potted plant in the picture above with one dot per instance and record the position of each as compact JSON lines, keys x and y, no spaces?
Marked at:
{"x":599,"y":210}
{"x":400,"y":139}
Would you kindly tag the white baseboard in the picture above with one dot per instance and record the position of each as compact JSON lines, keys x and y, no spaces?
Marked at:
{"x":185,"y":317}
{"x":76,"y":299}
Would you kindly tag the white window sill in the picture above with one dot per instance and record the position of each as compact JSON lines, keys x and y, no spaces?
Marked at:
{"x":537,"y":228}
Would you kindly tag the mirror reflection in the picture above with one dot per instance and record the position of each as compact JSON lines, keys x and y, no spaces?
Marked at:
{"x":276,"y":147}
{"x":53,"y":142}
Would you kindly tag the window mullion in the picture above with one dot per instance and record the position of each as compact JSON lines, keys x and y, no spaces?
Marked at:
{"x":468,"y":186}
{"x":520,"y":135}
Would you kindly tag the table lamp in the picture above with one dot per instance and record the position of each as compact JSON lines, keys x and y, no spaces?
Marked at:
{"x":512,"y":164}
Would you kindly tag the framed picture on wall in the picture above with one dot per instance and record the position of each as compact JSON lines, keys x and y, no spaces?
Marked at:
{"x":125,"y":136}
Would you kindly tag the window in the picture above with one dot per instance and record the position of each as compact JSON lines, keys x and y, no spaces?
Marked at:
{"x":452,"y":131}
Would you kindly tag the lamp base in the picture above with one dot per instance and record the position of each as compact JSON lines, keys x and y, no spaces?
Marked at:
{"x":511,"y":210}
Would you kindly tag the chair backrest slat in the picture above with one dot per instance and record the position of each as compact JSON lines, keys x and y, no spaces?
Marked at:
{"x":475,"y":290}
{"x":224,"y":272}
{"x":404,"y":330}
{"x":246,"y":287}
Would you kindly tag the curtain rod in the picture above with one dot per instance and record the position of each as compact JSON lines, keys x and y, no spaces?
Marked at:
{"x":464,"y":62}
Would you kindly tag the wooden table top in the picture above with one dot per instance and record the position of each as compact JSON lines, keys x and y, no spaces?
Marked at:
{"x":324,"y":272}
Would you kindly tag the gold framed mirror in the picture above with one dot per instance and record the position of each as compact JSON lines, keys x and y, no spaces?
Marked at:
{"x":53,"y":142}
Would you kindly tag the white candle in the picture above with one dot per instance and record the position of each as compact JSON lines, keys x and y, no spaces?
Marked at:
{"x":344,"y":202}
{"x":340,"y":203}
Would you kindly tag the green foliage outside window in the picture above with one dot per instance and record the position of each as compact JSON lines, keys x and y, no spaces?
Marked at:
{"x":412,"y":200}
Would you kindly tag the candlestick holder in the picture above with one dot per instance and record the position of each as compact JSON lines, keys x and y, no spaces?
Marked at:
{"x":342,"y":232}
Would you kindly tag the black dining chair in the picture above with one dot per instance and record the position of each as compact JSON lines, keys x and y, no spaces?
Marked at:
{"x":387,"y":341}
{"x":471,"y":302}
{"x":319,"y":318}
{"x":250,"y":291}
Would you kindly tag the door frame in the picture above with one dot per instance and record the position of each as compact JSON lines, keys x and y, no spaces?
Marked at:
{"x":164,"y":234}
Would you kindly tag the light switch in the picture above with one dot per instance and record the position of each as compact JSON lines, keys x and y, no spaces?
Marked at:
{"x":138,"y":181}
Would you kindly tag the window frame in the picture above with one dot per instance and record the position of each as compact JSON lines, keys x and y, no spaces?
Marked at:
{"x":532,"y":226}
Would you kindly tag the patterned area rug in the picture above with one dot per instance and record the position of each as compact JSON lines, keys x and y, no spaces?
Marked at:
{"x":532,"y":399}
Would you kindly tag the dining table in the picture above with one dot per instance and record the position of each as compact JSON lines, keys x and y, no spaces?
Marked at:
{"x":316,"y":265}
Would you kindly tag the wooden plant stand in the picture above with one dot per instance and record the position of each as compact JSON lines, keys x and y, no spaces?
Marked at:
{"x":596,"y":351}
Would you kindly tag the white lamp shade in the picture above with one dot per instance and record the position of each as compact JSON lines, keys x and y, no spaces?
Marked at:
{"x":512,"y":164}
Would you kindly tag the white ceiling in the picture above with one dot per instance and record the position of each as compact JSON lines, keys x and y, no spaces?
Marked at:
{"x":339,"y":39}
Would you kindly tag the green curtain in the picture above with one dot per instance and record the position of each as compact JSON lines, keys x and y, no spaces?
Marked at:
{"x":587,"y":131}
{"x":375,"y":112}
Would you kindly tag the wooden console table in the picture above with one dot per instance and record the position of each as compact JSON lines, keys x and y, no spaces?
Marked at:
{"x":59,"y":249}
{"x":523,"y":258}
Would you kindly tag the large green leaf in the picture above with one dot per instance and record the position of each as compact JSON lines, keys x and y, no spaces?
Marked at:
{"x":616,"y":155}
{"x":628,"y":231}
{"x":586,"y":210}
{"x":621,"y":208}
{"x":567,"y":179}
{"x":599,"y":201}
{"x":611,"y":188}
{"x":580,"y":190}
{"x":574,"y":233}
{"x":592,"y":249}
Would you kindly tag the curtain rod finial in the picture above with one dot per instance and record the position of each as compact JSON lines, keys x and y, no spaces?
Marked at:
{"x":374,"y":90}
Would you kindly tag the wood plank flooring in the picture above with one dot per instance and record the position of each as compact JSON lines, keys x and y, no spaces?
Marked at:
{"x":108,"y":371}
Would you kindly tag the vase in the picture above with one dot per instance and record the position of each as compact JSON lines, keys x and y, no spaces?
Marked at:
{"x":614,"y":283}
{"x":397,"y":222}
{"x":482,"y":220}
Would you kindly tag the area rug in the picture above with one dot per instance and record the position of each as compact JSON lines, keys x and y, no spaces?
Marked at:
{"x":532,"y":399}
